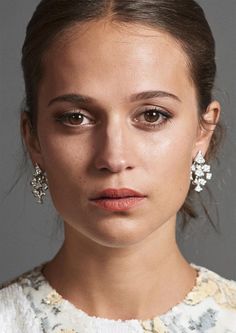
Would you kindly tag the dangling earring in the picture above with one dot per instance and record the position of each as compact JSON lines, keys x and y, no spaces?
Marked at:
{"x":39,"y":184}
{"x":199,"y":170}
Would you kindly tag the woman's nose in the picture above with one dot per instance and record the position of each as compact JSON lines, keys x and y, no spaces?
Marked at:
{"x":114,"y":148}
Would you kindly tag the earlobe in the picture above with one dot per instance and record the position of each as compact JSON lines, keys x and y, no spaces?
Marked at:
{"x":207,"y":126}
{"x":30,"y":139}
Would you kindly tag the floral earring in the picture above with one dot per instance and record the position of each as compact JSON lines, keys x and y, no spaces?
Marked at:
{"x":39,"y":184}
{"x":200,"y":172}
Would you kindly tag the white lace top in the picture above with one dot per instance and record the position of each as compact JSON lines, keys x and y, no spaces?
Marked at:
{"x":30,"y":305}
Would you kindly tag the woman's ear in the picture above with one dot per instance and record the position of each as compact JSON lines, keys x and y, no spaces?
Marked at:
{"x":206,"y":128}
{"x":30,"y":138}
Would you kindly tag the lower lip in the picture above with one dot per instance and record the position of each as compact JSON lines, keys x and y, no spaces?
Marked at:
{"x":118,"y":204}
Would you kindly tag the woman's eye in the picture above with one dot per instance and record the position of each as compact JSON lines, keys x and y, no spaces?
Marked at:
{"x":74,"y":119}
{"x":154,"y":117}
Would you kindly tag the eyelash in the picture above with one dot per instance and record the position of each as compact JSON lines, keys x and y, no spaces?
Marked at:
{"x":165,"y":115}
{"x":69,"y":116}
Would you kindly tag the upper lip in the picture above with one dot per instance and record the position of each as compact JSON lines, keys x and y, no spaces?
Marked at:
{"x":118,"y":193}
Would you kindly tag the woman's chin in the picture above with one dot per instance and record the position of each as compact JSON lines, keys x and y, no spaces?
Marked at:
{"x":116,"y":233}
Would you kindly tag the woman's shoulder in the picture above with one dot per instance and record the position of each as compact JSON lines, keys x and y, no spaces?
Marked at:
{"x":212,"y":284}
{"x":16,"y":282}
{"x":210,"y":306}
{"x":16,"y":312}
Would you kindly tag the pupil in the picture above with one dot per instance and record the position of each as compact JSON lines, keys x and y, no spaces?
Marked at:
{"x":151,"y":116}
{"x":76,"y":117}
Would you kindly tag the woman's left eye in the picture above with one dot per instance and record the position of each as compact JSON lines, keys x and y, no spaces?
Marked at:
{"x":154,"y":117}
{"x":74,"y":119}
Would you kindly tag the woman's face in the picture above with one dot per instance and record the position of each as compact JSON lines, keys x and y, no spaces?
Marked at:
{"x":138,"y":128}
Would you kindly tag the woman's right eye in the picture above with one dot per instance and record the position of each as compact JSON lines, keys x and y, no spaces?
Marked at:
{"x":74,"y":119}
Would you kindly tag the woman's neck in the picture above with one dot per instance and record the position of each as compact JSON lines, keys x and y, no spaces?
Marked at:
{"x":142,"y":281}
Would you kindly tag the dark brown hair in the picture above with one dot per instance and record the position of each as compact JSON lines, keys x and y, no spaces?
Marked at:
{"x":183,"y":19}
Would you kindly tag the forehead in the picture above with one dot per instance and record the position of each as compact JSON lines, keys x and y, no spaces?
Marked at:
{"x":116,"y":37}
{"x":116,"y":55}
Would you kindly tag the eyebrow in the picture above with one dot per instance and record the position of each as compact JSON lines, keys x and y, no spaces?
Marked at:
{"x":76,"y":98}
{"x":153,"y":94}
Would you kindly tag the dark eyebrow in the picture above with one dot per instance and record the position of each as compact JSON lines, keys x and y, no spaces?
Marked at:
{"x":152,"y":94}
{"x":76,"y":98}
{"x":73,"y":98}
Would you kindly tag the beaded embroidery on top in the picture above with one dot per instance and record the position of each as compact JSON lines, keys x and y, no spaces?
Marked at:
{"x":54,"y":311}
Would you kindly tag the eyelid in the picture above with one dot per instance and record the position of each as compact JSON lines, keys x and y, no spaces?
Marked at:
{"x":73,"y":111}
{"x":76,"y":110}
{"x":158,"y":107}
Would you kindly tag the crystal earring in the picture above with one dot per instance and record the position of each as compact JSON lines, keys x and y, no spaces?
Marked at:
{"x":39,"y":184}
{"x":200,"y":172}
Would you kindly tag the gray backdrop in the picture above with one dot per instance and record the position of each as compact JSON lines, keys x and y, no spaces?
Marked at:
{"x":29,"y":233}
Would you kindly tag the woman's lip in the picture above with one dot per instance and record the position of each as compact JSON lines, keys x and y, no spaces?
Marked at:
{"x":117,"y":193}
{"x":117,"y":204}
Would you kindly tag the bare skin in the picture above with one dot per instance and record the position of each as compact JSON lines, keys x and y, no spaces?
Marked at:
{"x":118,"y":265}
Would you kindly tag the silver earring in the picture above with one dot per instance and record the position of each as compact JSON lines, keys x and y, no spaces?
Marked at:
{"x":39,"y":183}
{"x":200,"y":172}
